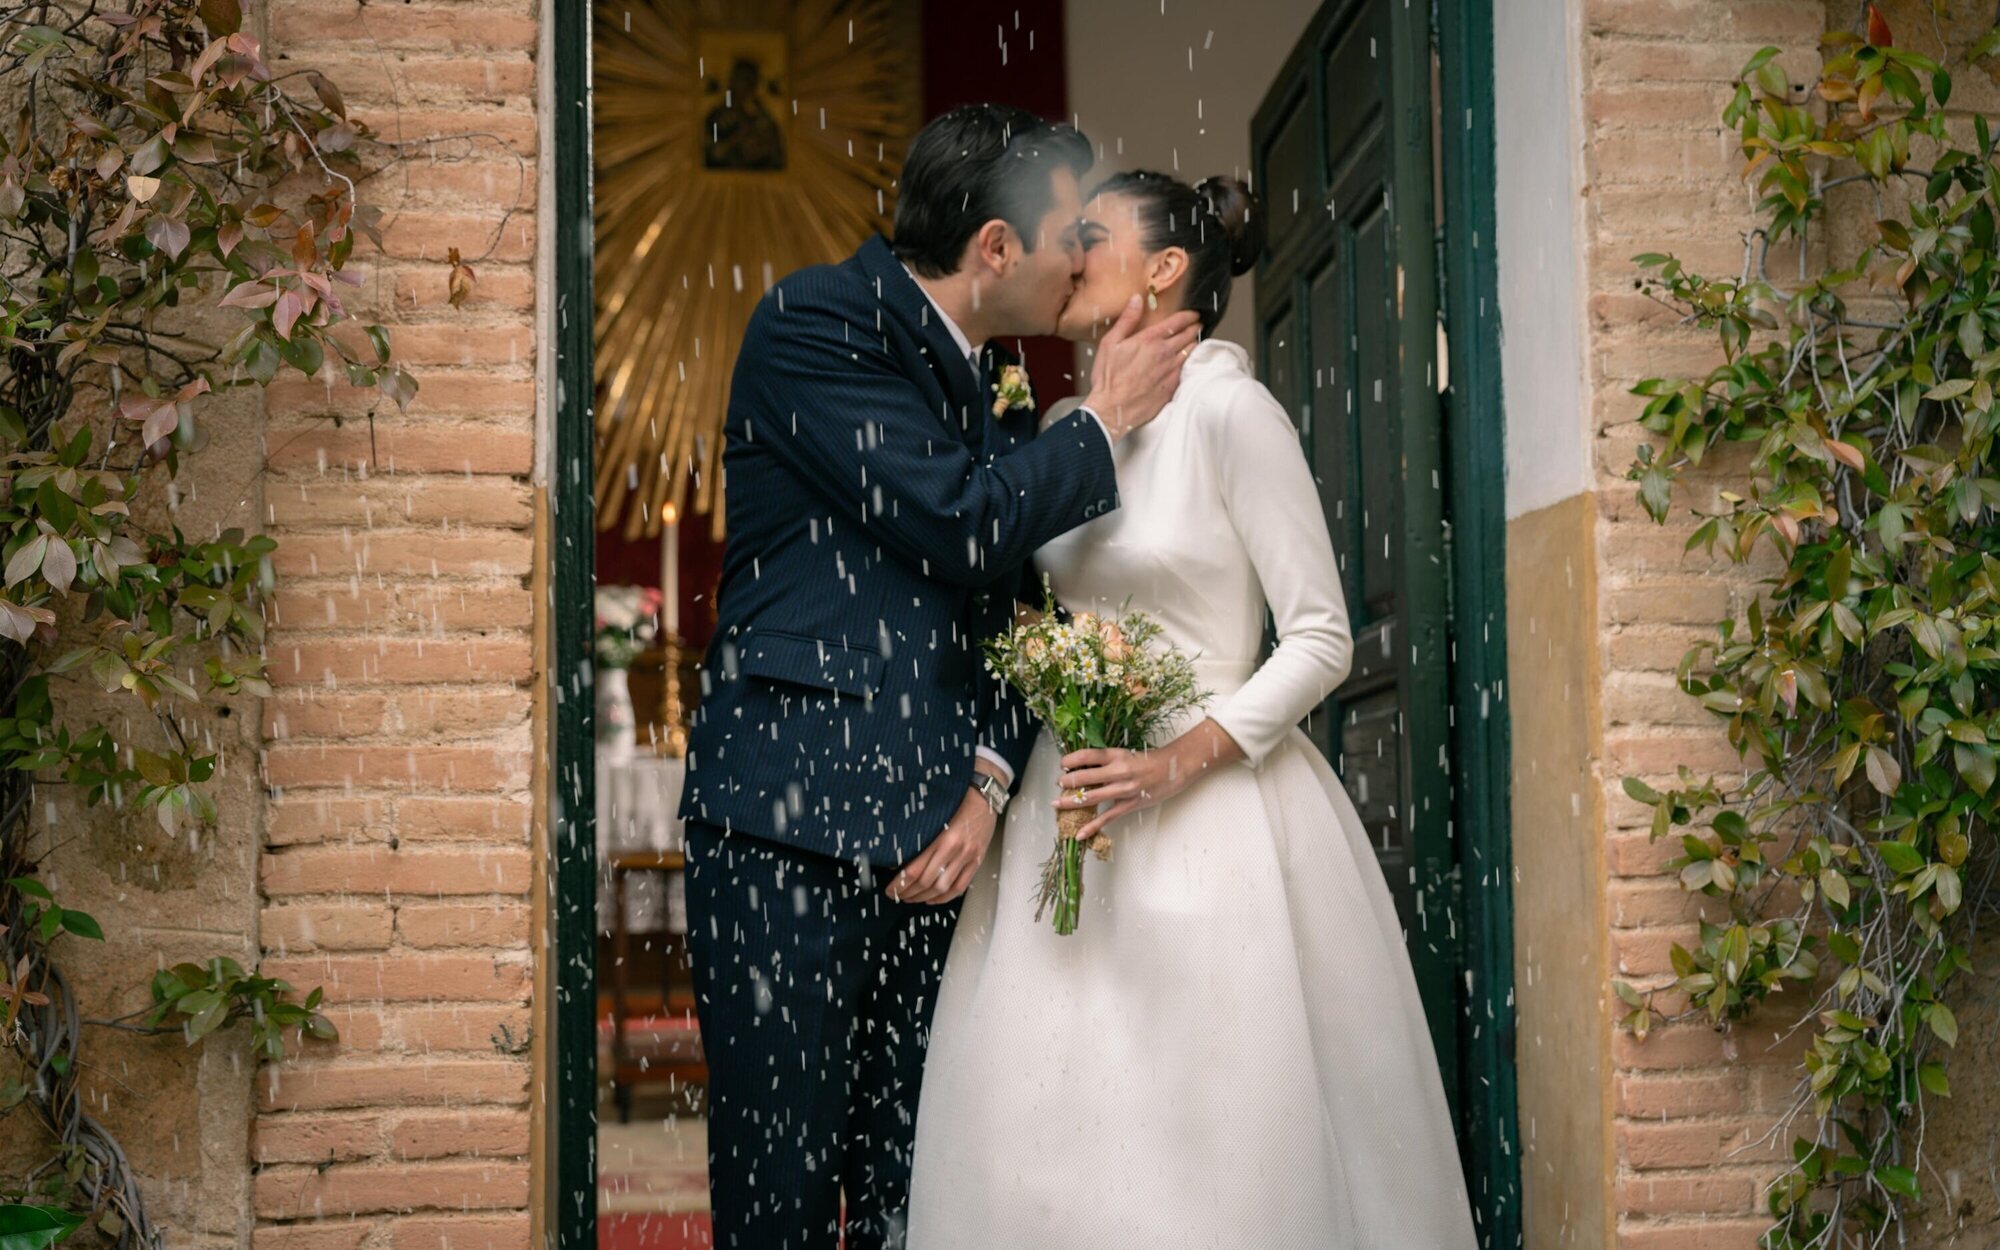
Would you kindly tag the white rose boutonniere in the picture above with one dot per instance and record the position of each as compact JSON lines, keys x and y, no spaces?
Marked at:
{"x":1012,"y":390}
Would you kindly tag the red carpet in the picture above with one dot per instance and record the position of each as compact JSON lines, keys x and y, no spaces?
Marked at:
{"x":653,"y":1232}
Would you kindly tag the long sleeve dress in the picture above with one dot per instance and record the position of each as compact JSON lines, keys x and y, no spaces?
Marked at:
{"x":1230,"y":1050}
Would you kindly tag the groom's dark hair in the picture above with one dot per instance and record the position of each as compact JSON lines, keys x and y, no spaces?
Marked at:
{"x":972,"y":165}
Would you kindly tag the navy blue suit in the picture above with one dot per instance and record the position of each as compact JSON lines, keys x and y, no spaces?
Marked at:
{"x":880,"y":522}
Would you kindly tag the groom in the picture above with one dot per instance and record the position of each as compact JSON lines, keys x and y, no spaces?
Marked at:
{"x":851,"y":754}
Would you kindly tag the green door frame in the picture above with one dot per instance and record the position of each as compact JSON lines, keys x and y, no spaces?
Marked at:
{"x":1480,"y":746}
{"x":1475,"y":458}
{"x":570,"y":1078}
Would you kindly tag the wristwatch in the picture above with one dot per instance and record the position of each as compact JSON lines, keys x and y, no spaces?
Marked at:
{"x":992,"y":790}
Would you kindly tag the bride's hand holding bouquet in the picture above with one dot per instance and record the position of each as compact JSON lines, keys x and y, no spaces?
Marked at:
{"x":1101,"y":686}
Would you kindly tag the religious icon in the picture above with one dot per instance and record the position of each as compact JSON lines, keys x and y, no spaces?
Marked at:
{"x":740,"y":132}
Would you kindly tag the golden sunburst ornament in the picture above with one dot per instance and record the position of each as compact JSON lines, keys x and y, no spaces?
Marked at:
{"x":736,"y":141}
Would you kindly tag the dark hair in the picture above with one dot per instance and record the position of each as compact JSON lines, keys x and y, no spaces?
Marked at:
{"x":1217,"y":222}
{"x":972,"y":165}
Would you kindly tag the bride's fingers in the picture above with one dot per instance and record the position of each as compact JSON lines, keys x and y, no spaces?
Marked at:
{"x":1084,"y":777}
{"x":1097,"y":796}
{"x":1096,"y":827}
{"x":1089,"y":757}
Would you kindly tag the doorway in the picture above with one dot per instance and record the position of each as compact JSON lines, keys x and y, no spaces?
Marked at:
{"x":1374,"y":330}
{"x":1423,"y":746}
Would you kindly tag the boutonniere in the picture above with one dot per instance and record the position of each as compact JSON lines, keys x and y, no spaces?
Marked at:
{"x":1012,"y":390}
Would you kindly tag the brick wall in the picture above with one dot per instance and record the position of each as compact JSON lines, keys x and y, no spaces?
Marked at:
{"x":396,"y":865}
{"x":1691,"y":1108}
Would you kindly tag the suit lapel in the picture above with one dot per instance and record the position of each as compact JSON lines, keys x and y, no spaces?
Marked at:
{"x":903,"y":299}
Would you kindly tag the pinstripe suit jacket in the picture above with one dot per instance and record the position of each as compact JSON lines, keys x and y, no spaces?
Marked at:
{"x":880,"y":524}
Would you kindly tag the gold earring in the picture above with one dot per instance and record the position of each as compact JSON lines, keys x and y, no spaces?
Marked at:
{"x":1152,"y":296}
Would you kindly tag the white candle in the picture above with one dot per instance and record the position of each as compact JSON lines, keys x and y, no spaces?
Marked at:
{"x":670,"y":570}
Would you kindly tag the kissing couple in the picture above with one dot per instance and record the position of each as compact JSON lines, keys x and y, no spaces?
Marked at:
{"x":1230,"y":1051}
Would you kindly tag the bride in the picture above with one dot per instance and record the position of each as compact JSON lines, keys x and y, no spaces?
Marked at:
{"x":1230,"y":1050}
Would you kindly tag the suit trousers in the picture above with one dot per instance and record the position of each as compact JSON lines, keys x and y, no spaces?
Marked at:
{"x":814,"y":991}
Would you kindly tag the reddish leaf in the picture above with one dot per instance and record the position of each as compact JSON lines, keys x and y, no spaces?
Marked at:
{"x":164,"y":421}
{"x":304,"y":250}
{"x":228,"y":235}
{"x":248,"y":295}
{"x":222,"y":17}
{"x":290,"y":307}
{"x":1878,"y":29}
{"x":169,"y":235}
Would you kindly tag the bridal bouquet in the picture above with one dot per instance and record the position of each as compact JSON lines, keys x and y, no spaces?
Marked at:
{"x":1095,"y":682}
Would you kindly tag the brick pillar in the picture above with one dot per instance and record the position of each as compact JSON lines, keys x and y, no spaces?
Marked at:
{"x":1691,"y":1109}
{"x":396,"y":867}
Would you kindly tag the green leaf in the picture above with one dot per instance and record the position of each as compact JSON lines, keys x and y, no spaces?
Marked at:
{"x":83,"y":925}
{"x":1931,"y":1077}
{"x":1898,"y":1180}
{"x":34,"y":1227}
{"x":1641,"y":792}
{"x":1942,"y":1022}
{"x":1902,"y":858}
{"x":32,"y":887}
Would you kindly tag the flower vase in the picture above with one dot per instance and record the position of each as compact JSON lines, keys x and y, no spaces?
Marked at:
{"x":617,"y":724}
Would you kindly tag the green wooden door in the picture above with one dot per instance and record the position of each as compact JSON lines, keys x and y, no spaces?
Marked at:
{"x":1348,"y":333}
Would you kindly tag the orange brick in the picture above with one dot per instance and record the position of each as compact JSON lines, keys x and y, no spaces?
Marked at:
{"x":1649,"y":1096}
{"x":1722,"y":1191}
{"x":496,"y":288}
{"x":1699,"y":1143}
{"x":470,"y":819}
{"x":398,"y":660}
{"x":429,"y":607}
{"x":344,"y":1235}
{"x":436,"y":1083}
{"x":476,"y":1232}
{"x":1725,"y":1234}
{"x":441,"y":392}
{"x":1643,"y":952}
{"x":463,"y":129}
{"x":327,"y":926}
{"x":303,"y":817}
{"x":400,"y":500}
{"x":473,"y":766}
{"x":438,"y":1135}
{"x":370,"y":77}
{"x":405,"y":554}
{"x":318,"y":1138}
{"x":471,"y":924}
{"x":507,"y":342}
{"x":417,"y":234}
{"x":372,"y":869}
{"x":347,"y":1189}
{"x":426,"y":714}
{"x":405,"y":977}
{"x":430,"y":447}
{"x":487,"y":1028}
{"x":299,"y":25}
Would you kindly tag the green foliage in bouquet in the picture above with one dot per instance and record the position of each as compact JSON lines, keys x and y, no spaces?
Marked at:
{"x":1863,"y":685}
{"x":1095,"y":682}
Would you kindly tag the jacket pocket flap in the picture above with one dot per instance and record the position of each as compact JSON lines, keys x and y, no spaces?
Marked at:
{"x":810,"y":662}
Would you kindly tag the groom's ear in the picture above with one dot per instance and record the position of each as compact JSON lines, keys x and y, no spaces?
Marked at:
{"x":993,"y":248}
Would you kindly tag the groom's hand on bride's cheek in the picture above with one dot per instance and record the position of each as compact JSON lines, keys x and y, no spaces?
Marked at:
{"x":944,"y":870}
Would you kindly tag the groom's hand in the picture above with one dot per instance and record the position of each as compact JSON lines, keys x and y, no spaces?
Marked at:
{"x":944,"y":870}
{"x":1138,"y":370}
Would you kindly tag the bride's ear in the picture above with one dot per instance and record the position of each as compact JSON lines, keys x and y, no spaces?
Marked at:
{"x":1166,"y":269}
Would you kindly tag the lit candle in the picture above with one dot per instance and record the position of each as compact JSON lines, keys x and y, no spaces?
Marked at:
{"x":670,"y":569}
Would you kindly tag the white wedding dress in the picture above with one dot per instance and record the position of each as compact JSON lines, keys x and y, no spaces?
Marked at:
{"x":1230,"y":1050}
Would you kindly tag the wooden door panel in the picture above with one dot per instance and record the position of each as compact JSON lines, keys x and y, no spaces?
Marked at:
{"x":1347,"y":324}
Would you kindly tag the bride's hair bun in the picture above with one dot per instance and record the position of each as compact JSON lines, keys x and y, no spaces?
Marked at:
{"x":1229,"y":201}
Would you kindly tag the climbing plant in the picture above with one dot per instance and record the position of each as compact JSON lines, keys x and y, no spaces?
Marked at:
{"x":1862,"y":683}
{"x":176,"y":221}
